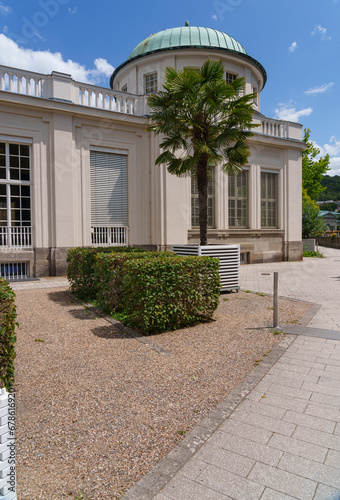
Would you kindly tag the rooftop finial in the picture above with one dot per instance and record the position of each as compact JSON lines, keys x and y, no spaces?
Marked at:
{"x":186,"y":23}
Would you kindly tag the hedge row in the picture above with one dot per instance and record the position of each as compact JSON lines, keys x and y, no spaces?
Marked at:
{"x":108,"y":276}
{"x":7,"y":334}
{"x":166,"y":294}
{"x":157,"y":291}
{"x":80,"y":270}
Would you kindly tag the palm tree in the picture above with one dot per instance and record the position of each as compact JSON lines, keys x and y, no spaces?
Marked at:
{"x":205,"y":122}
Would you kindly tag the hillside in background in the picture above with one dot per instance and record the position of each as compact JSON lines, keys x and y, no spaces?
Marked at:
{"x":332,"y":185}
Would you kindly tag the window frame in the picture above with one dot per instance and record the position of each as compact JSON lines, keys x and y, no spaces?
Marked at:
{"x":148,"y":88}
{"x":12,"y":209}
{"x":233,"y":221}
{"x":266,"y":200}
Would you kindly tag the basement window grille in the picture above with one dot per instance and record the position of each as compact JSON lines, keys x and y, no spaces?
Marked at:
{"x":14,"y":270}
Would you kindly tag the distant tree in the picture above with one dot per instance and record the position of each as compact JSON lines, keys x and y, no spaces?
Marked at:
{"x":331,"y":183}
{"x":328,"y":207}
{"x":312,"y":224}
{"x":204,"y":122}
{"x":313,"y":168}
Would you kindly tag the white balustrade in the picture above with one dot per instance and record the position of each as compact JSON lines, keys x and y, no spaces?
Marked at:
{"x":39,"y":85}
{"x":15,"y":237}
{"x":109,"y":236}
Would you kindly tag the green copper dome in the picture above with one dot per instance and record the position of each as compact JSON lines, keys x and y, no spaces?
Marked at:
{"x":187,"y":36}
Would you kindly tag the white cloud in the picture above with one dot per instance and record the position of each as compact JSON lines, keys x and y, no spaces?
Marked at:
{"x":214,"y":17}
{"x":4,"y":9}
{"x":293,"y":47}
{"x":44,"y":61}
{"x":321,"y":89}
{"x":332,"y":148}
{"x":73,"y":11}
{"x":334,"y":165}
{"x":288,"y":112}
{"x":322,"y":32}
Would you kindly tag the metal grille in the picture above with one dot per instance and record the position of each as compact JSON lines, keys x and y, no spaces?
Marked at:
{"x":238,"y":199}
{"x":14,"y":270}
{"x":109,"y":236}
{"x":229,"y":256}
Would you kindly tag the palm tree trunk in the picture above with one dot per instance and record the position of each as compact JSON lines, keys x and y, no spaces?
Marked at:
{"x":202,"y":187}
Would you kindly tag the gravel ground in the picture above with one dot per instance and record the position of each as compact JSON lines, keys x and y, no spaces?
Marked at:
{"x":97,"y":409}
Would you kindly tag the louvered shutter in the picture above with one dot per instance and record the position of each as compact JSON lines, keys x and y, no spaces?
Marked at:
{"x":109,"y":200}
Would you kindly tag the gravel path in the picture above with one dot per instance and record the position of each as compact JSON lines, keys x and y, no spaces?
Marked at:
{"x":97,"y":409}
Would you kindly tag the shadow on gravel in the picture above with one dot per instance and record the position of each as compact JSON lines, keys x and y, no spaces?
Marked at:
{"x":109,"y":332}
{"x":63,"y":298}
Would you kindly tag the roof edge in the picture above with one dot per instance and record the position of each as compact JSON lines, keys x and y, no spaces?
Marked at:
{"x":218,"y":49}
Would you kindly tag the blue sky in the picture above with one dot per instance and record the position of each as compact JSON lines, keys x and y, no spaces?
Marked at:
{"x":297,"y":41}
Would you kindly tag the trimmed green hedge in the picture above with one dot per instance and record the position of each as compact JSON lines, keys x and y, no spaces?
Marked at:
{"x":156,"y":291}
{"x":7,"y":334}
{"x":108,"y":275}
{"x":80,"y":270}
{"x":167,"y":294}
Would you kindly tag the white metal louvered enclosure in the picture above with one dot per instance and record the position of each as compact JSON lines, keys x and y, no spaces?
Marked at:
{"x":229,"y":256}
{"x":109,"y":197}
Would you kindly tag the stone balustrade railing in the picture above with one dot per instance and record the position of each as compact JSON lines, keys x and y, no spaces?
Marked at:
{"x":61,"y":87}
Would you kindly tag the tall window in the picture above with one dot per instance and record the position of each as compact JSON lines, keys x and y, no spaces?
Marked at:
{"x":124,"y":88}
{"x":238,"y":199}
{"x":269,"y":199}
{"x":109,"y":197}
{"x":211,"y":203}
{"x":150,"y":83}
{"x":230,"y":77}
{"x":15,"y":195}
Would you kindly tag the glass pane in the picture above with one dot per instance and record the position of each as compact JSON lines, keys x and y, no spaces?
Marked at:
{"x":2,"y":148}
{"x":25,"y":190}
{"x":2,"y":173}
{"x":24,"y":163}
{"x":3,"y":189}
{"x":14,"y":149}
{"x":15,"y":190}
{"x":25,"y":203}
{"x":2,"y":160}
{"x":15,"y":202}
{"x":3,"y":201}
{"x":24,"y":150}
{"x":25,"y":175}
{"x":26,"y":215}
{"x":14,"y":161}
{"x":15,"y":215}
{"x":14,"y":174}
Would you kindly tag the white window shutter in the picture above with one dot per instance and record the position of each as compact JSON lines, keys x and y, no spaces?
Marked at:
{"x":109,"y":189}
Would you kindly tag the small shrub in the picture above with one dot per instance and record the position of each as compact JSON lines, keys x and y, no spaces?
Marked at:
{"x":170,"y":293}
{"x":313,"y":253}
{"x":7,"y":334}
{"x":80,"y":268}
{"x":108,"y":273}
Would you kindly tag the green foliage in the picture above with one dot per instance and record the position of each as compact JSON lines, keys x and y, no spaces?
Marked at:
{"x":170,"y":293}
{"x":80,"y":268}
{"x":312,"y":224}
{"x":313,"y":168}
{"x":7,"y":334}
{"x":312,"y":253}
{"x":328,"y":207}
{"x":208,"y":120}
{"x":108,"y":275}
{"x":331,"y":185}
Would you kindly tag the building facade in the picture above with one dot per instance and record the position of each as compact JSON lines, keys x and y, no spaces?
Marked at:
{"x":77,"y":165}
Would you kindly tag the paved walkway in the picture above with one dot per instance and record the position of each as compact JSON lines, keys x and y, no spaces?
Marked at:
{"x":277,"y":436}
